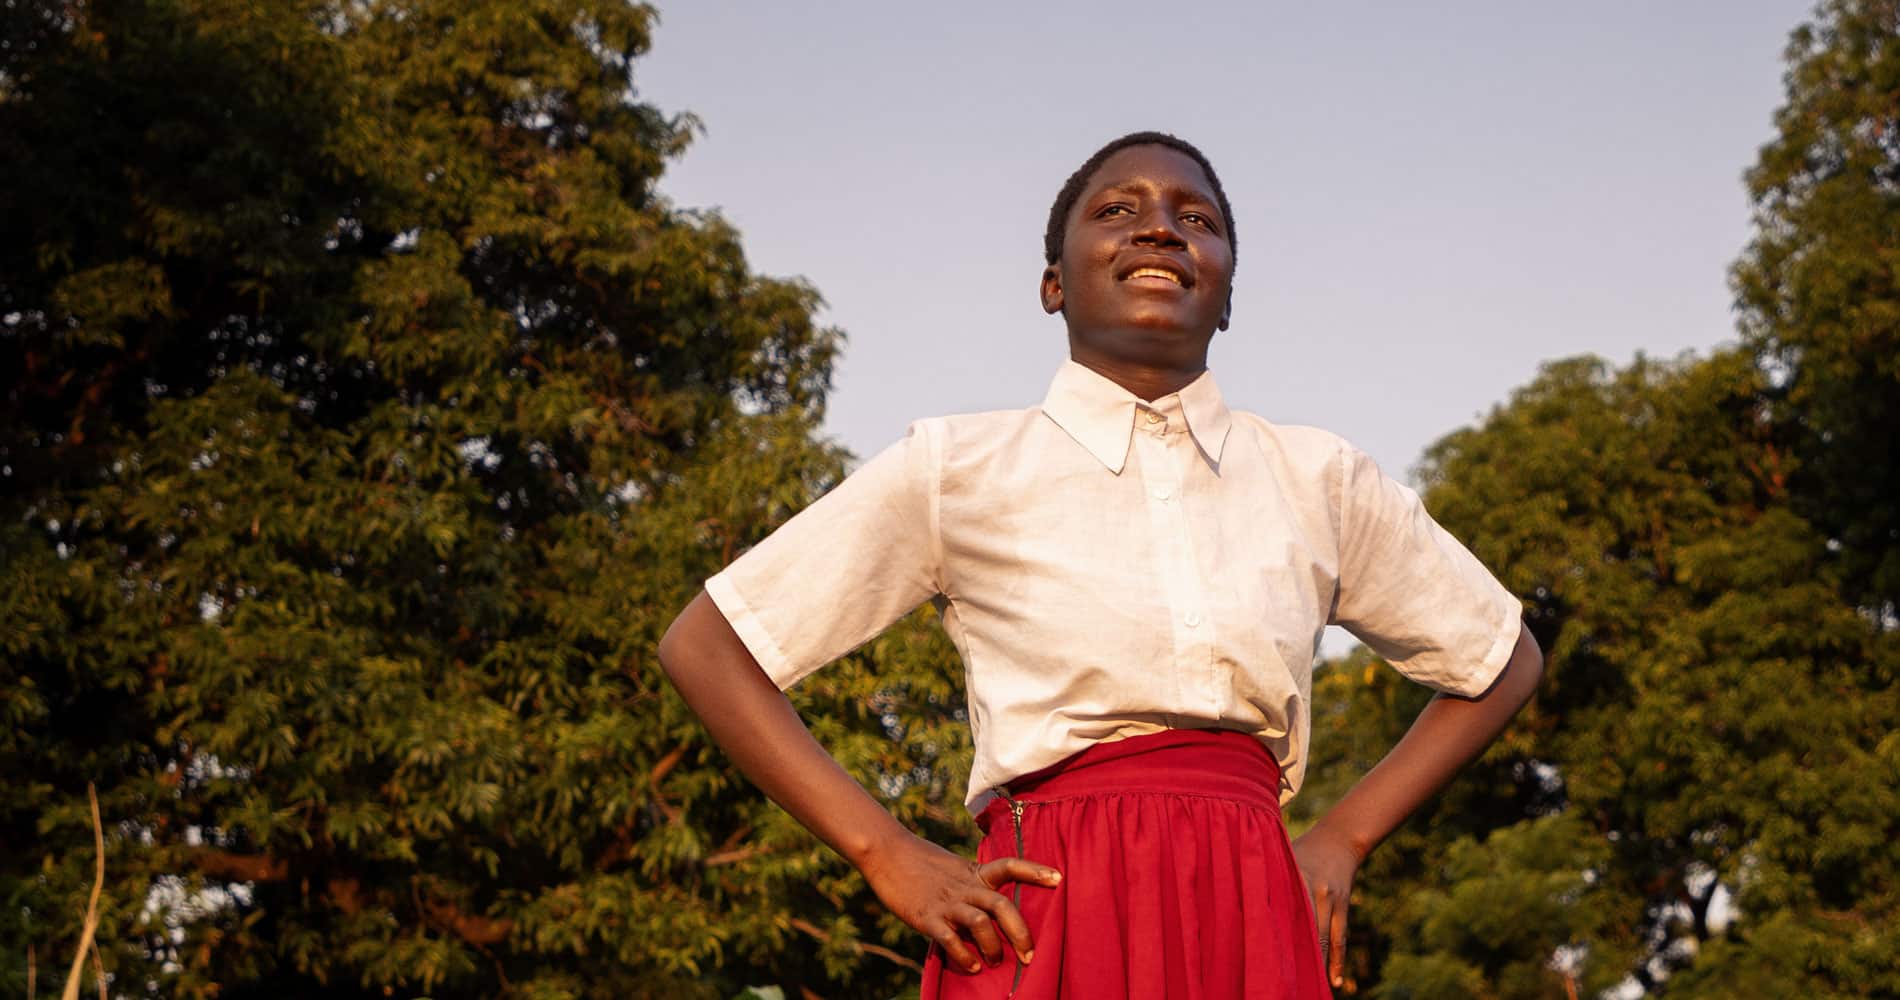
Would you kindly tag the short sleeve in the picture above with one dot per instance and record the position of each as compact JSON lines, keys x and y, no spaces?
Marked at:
{"x":841,"y":570}
{"x":1412,"y":592}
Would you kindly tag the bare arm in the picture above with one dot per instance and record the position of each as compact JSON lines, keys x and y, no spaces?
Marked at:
{"x":753,"y":721}
{"x":1447,"y":735}
{"x":930,"y":888}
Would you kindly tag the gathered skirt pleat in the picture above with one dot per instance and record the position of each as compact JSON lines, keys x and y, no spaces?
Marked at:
{"x":1179,"y":882}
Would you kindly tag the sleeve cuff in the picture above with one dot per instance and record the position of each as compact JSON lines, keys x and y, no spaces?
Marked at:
{"x":751,"y":631}
{"x":1499,"y":654}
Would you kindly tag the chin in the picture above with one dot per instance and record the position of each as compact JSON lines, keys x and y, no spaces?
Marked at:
{"x":1170,"y":330}
{"x":1166,"y":345}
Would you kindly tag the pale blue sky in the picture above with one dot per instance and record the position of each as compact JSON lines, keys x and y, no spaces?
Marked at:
{"x":1430,"y":198}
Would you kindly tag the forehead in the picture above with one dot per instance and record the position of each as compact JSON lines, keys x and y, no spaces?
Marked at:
{"x":1148,"y":165}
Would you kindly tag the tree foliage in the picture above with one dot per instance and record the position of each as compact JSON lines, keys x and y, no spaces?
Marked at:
{"x":1819,"y":286}
{"x":1708,"y":779}
{"x":367,"y":414}
{"x":1708,"y":783}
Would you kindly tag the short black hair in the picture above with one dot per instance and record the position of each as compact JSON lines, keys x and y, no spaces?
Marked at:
{"x":1052,"y":238}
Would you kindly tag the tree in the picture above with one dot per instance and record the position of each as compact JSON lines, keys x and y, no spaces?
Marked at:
{"x":1710,"y":553}
{"x":367,"y":414}
{"x":1819,"y":286}
{"x":1715,"y":732}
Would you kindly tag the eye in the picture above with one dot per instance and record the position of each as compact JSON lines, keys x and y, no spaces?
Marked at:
{"x":1198,"y":219}
{"x":1112,"y":208}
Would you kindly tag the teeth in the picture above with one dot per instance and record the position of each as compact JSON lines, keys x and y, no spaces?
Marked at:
{"x":1155,"y":272}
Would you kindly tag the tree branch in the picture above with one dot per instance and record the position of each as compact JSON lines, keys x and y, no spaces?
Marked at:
{"x":808,"y":927}
{"x":477,"y":930}
{"x":91,"y":924}
{"x":227,"y":867}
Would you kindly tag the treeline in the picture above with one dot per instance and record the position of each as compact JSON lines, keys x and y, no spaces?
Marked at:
{"x":1703,"y":795}
{"x":367,"y":413}
{"x":1704,"y":798}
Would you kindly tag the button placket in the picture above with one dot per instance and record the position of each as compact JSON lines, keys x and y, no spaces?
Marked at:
{"x":1201,"y":644}
{"x":1163,"y":453}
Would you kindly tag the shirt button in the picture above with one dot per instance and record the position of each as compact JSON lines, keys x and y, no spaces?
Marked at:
{"x":1163,"y":492}
{"x":1193,"y":619}
{"x":1153,"y":417}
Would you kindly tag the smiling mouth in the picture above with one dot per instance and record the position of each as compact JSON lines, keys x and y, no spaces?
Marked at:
{"x":1157,"y":273}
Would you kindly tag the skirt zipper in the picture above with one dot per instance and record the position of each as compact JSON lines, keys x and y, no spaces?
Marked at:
{"x":1016,"y":820}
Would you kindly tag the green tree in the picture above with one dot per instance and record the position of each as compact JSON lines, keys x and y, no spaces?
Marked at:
{"x":1717,"y":721}
{"x":367,"y":414}
{"x":1710,"y":555}
{"x":1819,"y":286}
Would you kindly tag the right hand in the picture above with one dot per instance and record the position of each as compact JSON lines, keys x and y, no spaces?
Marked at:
{"x":944,"y":896}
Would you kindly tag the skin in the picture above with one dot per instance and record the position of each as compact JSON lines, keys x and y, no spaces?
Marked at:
{"x":1146,"y":206}
{"x":946,"y":897}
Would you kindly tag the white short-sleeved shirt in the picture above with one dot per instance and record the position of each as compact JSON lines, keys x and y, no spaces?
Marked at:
{"x":1109,"y":567}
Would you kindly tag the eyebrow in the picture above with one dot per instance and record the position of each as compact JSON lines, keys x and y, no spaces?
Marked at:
{"x":1191,"y":194}
{"x":1204,"y":199}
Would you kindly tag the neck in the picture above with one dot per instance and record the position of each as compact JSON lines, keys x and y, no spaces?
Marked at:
{"x":1148,"y":381}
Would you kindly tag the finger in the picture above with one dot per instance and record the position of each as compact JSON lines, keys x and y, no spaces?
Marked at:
{"x":956,"y":951}
{"x":1338,"y":955}
{"x":1010,"y":919}
{"x":977,"y":923}
{"x":1322,"y":919}
{"x":1003,"y":870}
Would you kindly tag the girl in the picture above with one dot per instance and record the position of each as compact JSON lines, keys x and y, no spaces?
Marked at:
{"x":1135,"y":577}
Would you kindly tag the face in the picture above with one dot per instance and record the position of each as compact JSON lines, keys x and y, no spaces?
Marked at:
{"x":1146,"y":272}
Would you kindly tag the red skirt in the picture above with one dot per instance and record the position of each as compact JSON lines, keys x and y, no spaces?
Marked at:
{"x":1178,"y":882}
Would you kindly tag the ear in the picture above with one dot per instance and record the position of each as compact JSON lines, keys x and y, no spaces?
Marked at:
{"x":1052,"y":289}
{"x":1226,"y":312}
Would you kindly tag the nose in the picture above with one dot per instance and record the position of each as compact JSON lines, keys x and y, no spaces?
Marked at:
{"x":1159,"y":229}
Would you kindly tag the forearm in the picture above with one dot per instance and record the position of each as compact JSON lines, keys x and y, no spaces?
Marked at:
{"x":757,"y":727}
{"x":1446,"y":736}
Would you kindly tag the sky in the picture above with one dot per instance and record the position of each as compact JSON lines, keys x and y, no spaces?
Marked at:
{"x":1430,"y":200}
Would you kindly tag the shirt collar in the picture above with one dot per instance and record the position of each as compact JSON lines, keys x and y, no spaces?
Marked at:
{"x":1100,"y":415}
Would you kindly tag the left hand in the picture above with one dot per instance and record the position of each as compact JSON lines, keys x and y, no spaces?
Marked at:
{"x":1328,"y":862}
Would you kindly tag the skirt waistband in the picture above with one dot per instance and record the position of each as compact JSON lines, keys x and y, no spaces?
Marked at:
{"x":1222,"y":763}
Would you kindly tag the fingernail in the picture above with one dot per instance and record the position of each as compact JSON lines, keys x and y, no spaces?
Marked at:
{"x":1055,"y":878}
{"x":974,"y":968}
{"x":1028,"y":956}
